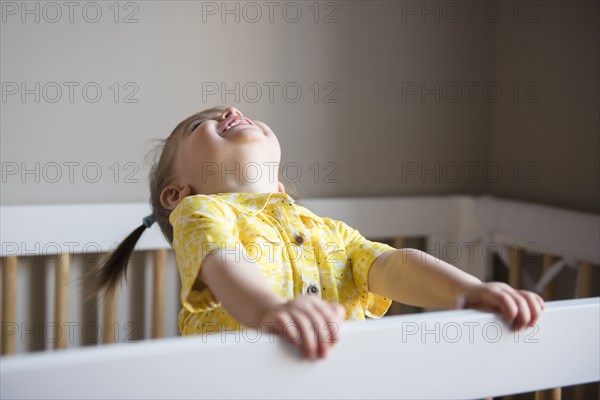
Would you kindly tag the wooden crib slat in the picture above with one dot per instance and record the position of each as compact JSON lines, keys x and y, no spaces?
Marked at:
{"x":61,"y":302}
{"x":109,"y":317}
{"x":159,"y":278}
{"x":399,"y":243}
{"x":550,"y":394}
{"x":515,"y":268}
{"x":580,"y":392}
{"x":9,"y":303}
{"x":547,"y":261}
{"x":585,"y":279}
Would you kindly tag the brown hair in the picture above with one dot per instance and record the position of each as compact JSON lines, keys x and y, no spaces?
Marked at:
{"x":107,"y":275}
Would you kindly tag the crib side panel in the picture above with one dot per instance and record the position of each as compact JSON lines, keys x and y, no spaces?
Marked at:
{"x":452,"y":354}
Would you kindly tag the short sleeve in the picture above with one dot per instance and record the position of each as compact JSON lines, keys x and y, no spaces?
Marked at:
{"x":201,"y":225}
{"x":361,"y":255}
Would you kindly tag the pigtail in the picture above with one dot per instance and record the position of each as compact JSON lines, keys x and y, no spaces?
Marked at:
{"x":106,"y":277}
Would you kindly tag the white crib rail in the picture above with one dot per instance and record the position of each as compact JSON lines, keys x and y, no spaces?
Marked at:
{"x":451,"y":354}
{"x":81,"y":228}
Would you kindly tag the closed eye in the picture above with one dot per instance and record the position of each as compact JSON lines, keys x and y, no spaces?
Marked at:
{"x":195,"y":124}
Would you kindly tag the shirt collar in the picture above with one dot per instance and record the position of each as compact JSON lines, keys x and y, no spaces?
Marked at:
{"x":256,"y":201}
{"x":253,"y":202}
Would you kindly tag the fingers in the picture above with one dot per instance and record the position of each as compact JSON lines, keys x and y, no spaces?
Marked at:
{"x":505,"y":303}
{"x":535,"y":303}
{"x":523,"y":314}
{"x":334,"y":314}
{"x":312,"y":324}
{"x":520,"y":308}
{"x":529,"y":307}
{"x":305,"y":339}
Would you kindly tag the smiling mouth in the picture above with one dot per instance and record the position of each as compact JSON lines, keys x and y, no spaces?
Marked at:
{"x":234,"y":122}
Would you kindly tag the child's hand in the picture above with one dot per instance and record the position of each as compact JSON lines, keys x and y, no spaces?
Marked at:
{"x":520,"y":308}
{"x":308,"y":321}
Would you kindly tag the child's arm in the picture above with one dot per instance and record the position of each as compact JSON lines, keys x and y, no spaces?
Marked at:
{"x":413,"y":277}
{"x":248,"y":298}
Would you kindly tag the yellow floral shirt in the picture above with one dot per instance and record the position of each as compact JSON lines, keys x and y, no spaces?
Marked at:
{"x":296,"y":251}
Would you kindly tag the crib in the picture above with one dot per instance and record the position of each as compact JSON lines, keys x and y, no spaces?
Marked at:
{"x":55,"y":347}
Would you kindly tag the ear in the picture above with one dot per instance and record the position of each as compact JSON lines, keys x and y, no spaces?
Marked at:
{"x":173,"y":194}
{"x":280,"y":187}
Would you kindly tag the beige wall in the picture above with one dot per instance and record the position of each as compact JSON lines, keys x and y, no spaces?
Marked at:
{"x":553,"y":142}
{"x":372,"y":140}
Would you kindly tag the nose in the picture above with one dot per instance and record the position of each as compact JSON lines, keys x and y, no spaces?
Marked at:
{"x":229,"y":111}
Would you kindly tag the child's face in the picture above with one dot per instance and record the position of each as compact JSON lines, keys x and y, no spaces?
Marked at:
{"x":228,"y":153}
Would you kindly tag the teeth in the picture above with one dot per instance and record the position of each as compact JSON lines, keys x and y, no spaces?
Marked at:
{"x":236,"y":123}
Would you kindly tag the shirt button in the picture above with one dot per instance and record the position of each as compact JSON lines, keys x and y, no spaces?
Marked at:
{"x":312,"y":289}
{"x":299,"y":240}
